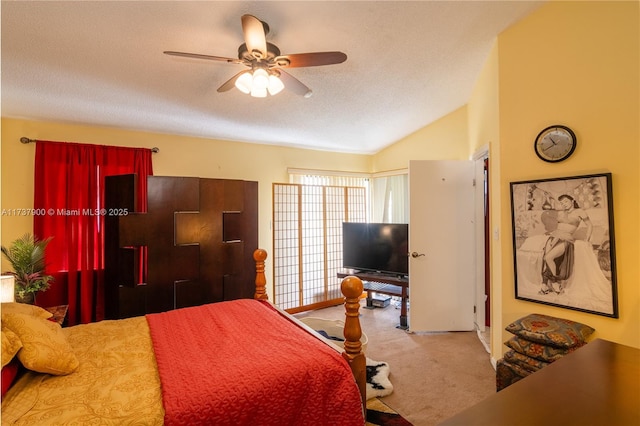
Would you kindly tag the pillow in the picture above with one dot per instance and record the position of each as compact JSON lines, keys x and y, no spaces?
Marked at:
{"x":552,"y":331}
{"x":507,"y":374}
{"x":11,"y":344}
{"x":45,"y":347}
{"x":526,"y":362}
{"x":536,"y":350}
{"x":23,"y":308}
{"x":9,"y":374}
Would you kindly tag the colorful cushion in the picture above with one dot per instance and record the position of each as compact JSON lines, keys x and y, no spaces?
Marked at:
{"x":11,"y":344}
{"x":526,"y":362}
{"x":538,"y":351}
{"x":507,"y":374}
{"x":45,"y":347}
{"x":23,"y":308}
{"x":552,"y":331}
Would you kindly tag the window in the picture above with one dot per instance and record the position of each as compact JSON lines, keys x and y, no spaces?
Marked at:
{"x":390,"y":198}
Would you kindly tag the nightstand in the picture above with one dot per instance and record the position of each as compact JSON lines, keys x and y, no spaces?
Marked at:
{"x":59,"y":313}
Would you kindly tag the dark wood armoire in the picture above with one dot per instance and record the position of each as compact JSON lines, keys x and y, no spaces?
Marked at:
{"x":197,"y":236}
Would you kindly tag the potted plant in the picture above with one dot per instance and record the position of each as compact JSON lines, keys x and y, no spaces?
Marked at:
{"x":26,"y":256}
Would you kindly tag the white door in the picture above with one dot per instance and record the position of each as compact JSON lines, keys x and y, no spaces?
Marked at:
{"x":441,"y":245}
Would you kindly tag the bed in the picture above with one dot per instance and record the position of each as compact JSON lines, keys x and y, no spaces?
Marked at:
{"x":235,"y":362}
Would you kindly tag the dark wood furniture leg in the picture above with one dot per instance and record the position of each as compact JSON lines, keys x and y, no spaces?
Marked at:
{"x":385,"y":284}
{"x":403,"y":310}
{"x":370,"y":299}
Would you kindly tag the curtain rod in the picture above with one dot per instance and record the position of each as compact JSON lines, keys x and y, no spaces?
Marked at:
{"x":27,"y":140}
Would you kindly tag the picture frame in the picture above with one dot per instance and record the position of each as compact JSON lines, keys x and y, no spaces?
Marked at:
{"x":563,"y":243}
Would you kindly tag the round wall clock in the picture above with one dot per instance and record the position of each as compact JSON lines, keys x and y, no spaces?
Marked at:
{"x":555,"y":143}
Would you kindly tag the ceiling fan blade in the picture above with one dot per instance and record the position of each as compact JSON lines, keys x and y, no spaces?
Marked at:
{"x":254,"y":36}
{"x":230,"y":84}
{"x":295,"y":85}
{"x":310,"y":59}
{"x":199,"y":56}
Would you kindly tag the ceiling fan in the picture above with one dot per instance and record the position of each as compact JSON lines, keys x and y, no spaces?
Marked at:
{"x":266,"y":63}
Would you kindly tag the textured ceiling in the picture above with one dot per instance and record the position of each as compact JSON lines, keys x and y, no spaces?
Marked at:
{"x":101,"y":63}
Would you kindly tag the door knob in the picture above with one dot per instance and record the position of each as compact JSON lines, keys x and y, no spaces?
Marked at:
{"x":416,"y":254}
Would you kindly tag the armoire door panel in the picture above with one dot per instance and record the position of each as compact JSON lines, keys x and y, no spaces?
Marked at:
{"x":200,"y":234}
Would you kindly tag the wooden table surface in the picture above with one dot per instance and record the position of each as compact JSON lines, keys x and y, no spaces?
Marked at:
{"x":599,"y":384}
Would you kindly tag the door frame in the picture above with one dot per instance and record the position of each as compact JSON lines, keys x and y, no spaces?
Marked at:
{"x":481,"y":239}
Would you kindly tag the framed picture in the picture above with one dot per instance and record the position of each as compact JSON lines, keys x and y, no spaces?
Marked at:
{"x":563,"y":243}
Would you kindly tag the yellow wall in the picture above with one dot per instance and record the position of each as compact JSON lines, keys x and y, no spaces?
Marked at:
{"x":483,"y":107}
{"x":484,"y":131}
{"x":574,"y":63}
{"x":444,"y":139}
{"x":178,"y":156}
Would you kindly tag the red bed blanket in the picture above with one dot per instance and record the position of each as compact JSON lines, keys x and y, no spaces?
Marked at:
{"x":243,"y":363}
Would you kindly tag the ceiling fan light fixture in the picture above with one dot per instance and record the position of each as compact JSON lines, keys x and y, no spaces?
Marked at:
{"x":244,"y":82}
{"x":260,"y":79}
{"x":265,"y":76}
{"x":258,"y":83}
{"x":257,"y":54}
{"x":282,"y":62}
{"x":258,"y":92}
{"x":275,"y":85}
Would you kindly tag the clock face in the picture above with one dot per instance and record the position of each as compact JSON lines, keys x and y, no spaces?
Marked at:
{"x":555,"y":143}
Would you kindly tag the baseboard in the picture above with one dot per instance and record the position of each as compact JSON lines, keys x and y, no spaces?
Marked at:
{"x":494,"y":362}
{"x":487,"y":346}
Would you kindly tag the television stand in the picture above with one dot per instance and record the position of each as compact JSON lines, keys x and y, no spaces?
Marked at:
{"x":392,"y":285}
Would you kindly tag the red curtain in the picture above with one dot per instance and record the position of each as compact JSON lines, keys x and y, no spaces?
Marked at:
{"x":69,"y":189}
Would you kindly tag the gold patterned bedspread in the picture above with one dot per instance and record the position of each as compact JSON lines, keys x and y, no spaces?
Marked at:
{"x":116,"y":383}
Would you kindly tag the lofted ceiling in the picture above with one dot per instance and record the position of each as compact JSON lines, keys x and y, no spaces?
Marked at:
{"x":101,"y":63}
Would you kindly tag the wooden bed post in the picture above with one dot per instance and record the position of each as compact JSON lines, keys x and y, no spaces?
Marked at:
{"x":352,"y":290}
{"x":260,"y":255}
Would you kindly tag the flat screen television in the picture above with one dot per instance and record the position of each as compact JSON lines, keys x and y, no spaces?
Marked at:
{"x":376,"y":247}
